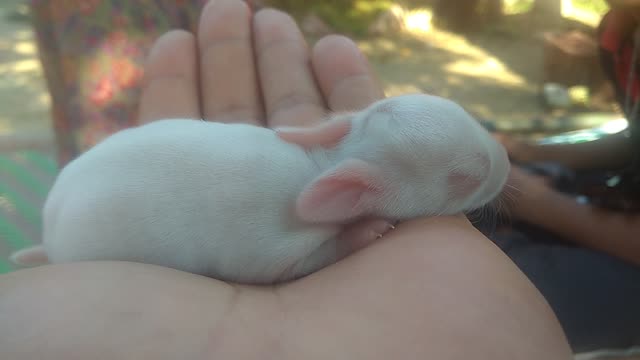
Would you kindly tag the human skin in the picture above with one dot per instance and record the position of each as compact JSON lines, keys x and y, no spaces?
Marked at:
{"x":612,"y":232}
{"x":431,"y":288}
{"x":610,"y":152}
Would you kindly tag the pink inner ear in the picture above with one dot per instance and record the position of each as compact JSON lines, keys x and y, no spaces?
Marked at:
{"x":341,"y":195}
{"x":461,"y":185}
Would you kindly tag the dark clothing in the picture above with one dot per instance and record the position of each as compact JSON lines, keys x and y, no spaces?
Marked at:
{"x":596,"y":297}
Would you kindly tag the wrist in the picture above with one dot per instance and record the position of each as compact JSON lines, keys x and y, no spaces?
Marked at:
{"x":525,"y":152}
{"x":538,"y":153}
{"x":535,"y":207}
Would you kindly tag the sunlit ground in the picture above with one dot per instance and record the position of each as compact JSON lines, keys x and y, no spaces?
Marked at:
{"x":24,"y":101}
{"x":493,"y":75}
{"x":451,"y":66}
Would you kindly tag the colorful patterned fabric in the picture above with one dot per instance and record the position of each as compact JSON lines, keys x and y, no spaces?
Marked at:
{"x":615,"y":37}
{"x":92,"y":52}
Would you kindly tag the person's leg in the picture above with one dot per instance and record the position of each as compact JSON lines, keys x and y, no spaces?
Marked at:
{"x":596,"y":297}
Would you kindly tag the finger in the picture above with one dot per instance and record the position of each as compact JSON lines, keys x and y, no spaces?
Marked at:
{"x":344,"y":74}
{"x":228,"y":78}
{"x":289,"y":89}
{"x":170,"y":87}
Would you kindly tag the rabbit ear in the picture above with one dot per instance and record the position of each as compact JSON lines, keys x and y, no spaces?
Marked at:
{"x":326,"y":134}
{"x":341,"y":194}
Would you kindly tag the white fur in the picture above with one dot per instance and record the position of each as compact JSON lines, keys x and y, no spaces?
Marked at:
{"x":219,"y":199}
{"x":417,"y":140}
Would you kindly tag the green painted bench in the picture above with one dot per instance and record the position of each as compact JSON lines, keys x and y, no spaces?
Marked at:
{"x":25,"y":179}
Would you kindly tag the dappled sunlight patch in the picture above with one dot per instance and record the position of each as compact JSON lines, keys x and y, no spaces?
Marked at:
{"x":399,"y":89}
{"x":464,"y":58}
{"x":24,"y":100}
{"x":485,"y":67}
{"x":368,"y":6}
{"x":450,"y":65}
{"x":18,"y":56}
{"x":516,"y":6}
{"x":473,"y":61}
{"x":418,"y":21}
{"x":25,"y":48}
{"x":27,"y":65}
{"x":587,"y":12}
{"x":590,"y":16}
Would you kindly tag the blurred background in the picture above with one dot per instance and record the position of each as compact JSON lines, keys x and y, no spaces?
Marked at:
{"x":492,"y":56}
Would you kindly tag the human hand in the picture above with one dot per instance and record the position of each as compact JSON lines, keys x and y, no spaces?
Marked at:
{"x":519,"y":151}
{"x":428,"y":289}
{"x":269,"y":77}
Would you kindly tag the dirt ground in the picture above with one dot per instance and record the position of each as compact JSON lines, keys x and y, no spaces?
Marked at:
{"x":494,"y":73}
{"x":24,"y":101}
{"x":495,"y":77}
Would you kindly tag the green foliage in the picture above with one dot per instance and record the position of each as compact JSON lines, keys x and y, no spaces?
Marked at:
{"x":522,"y":6}
{"x":596,"y":6}
{"x":518,"y":6}
{"x":345,"y":16}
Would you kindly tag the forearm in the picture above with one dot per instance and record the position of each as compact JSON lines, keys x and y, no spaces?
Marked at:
{"x":610,"y":152}
{"x":611,"y":232}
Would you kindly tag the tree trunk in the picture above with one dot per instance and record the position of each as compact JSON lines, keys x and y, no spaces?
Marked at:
{"x":456,"y":15}
{"x":466,"y":15}
{"x":493,"y":10}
